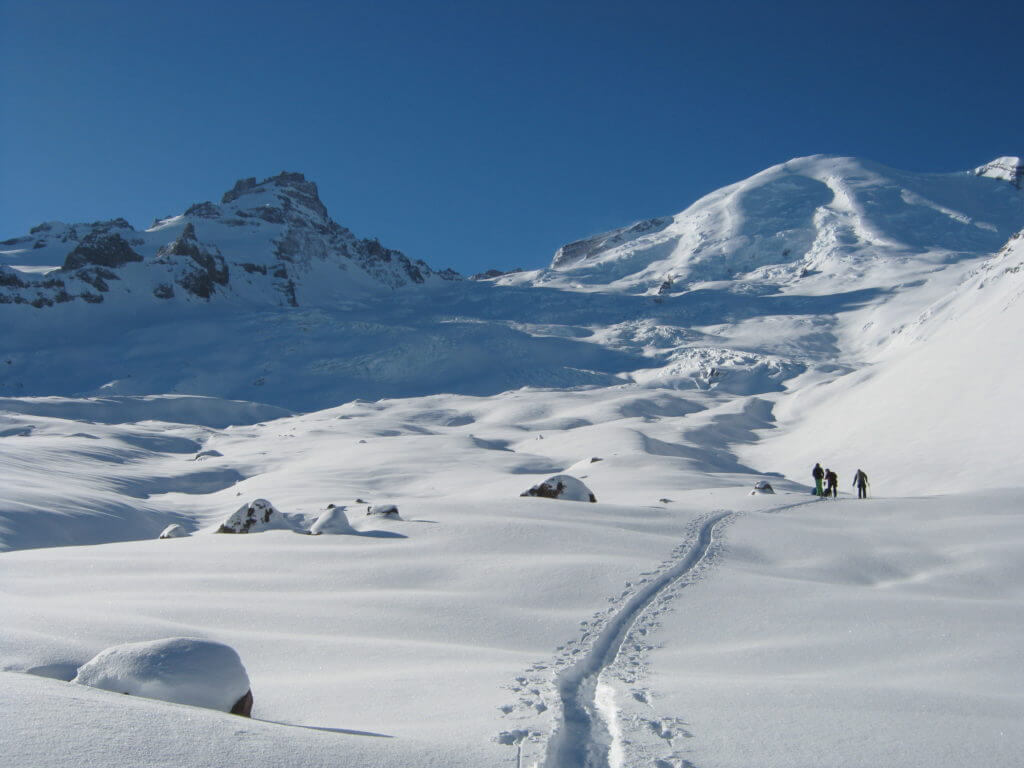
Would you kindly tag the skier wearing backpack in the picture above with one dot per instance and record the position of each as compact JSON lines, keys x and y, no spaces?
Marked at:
{"x":860,"y":481}
{"x":818,"y":474}
{"x":831,"y":484}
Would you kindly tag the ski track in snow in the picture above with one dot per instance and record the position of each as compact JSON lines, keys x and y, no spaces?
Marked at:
{"x":584,"y":736}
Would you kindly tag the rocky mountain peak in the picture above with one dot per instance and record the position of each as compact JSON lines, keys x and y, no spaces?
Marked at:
{"x":286,"y":186}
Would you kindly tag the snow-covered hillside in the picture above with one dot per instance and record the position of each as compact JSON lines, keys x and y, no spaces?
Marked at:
{"x":267,"y":243}
{"x":253,"y":366}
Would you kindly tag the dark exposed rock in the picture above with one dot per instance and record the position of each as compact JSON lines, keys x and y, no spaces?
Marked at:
{"x":271,"y":215}
{"x":164,"y":291}
{"x":243,"y":706}
{"x":254,"y":268}
{"x":241,"y":187}
{"x":104,"y":227}
{"x":561,"y":487}
{"x":490,"y":274}
{"x":260,"y":515}
{"x":205,"y":210}
{"x":104,"y":250}
{"x":97,"y":277}
{"x":288,"y":289}
{"x":9,"y":279}
{"x":206,"y":270}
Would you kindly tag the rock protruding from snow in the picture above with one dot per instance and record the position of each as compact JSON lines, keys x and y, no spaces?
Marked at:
{"x":183,"y":670}
{"x":383,"y":510}
{"x":564,"y":487}
{"x":762,"y":486}
{"x":173,"y":531}
{"x":260,"y":515}
{"x":333,"y":521}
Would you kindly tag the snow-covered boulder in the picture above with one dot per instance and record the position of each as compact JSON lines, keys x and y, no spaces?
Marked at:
{"x":260,"y":515}
{"x":762,"y":486}
{"x":383,"y":510}
{"x":182,"y":670}
{"x":561,"y":487}
{"x":173,"y":531}
{"x":334,"y":520}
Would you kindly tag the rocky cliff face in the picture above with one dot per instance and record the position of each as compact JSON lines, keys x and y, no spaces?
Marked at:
{"x":269,"y":241}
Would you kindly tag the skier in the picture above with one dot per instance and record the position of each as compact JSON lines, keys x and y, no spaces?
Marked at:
{"x":831,"y":484}
{"x":818,"y":474}
{"x":860,"y":480}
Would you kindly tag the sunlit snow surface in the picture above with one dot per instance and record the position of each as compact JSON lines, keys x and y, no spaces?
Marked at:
{"x":678,"y":622}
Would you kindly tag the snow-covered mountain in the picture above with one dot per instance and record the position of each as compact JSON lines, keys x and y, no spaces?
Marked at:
{"x":810,"y":219}
{"x":827,"y":309}
{"x":269,"y":242}
{"x":744,"y":289}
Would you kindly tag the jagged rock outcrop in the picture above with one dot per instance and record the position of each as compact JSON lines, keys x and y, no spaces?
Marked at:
{"x":275,"y":234}
{"x":258,"y":516}
{"x":205,"y":269}
{"x":101,"y":249}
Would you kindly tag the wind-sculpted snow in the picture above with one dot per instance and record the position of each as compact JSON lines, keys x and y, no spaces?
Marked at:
{"x":815,"y":214}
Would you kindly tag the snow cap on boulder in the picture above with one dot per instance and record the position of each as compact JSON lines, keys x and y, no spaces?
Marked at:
{"x":173,"y":531}
{"x":183,"y":670}
{"x":561,"y":487}
{"x":260,"y":515}
{"x":334,"y":520}
{"x":762,"y":486}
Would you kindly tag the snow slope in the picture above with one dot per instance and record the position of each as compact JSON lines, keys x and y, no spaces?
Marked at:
{"x":951,"y":379}
{"x":826,"y":309}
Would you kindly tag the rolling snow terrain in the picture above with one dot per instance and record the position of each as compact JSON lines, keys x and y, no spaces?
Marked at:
{"x":827,"y":309}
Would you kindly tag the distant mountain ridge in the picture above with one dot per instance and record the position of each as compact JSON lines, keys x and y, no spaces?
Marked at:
{"x":810,"y":268}
{"x":270,"y":241}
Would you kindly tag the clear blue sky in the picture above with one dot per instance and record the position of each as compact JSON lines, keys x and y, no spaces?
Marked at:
{"x":484,"y":134}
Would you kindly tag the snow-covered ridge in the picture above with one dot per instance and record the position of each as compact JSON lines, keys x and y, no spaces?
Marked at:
{"x":1009,"y":169}
{"x":268,"y":242}
{"x":809,"y":216}
{"x":819,"y":261}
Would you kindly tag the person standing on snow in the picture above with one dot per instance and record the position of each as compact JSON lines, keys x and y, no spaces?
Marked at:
{"x":818,"y":474}
{"x":860,"y":481}
{"x":831,"y":484}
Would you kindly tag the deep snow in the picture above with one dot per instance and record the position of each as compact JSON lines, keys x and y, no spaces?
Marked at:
{"x":826,"y":309}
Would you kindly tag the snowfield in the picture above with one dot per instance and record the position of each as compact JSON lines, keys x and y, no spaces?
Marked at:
{"x":825,"y":310}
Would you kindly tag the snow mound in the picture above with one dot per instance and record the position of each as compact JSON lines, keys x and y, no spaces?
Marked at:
{"x":173,"y":531}
{"x":181,"y":670}
{"x":564,"y":487}
{"x":333,"y":521}
{"x":260,"y":515}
